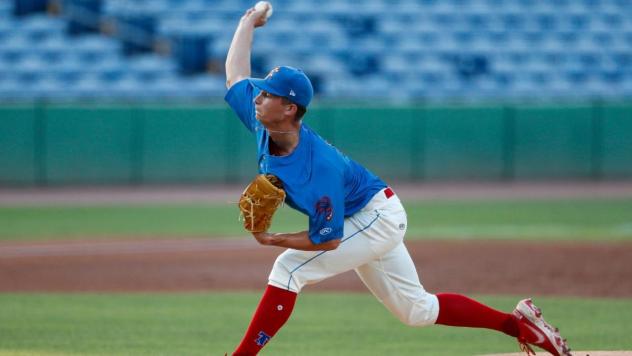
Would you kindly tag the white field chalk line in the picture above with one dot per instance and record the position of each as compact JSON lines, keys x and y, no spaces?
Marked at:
{"x":107,"y":248}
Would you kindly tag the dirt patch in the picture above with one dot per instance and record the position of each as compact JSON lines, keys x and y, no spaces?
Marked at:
{"x":488,"y":267}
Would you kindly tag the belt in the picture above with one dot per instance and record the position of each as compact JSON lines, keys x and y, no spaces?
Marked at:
{"x":388,"y":192}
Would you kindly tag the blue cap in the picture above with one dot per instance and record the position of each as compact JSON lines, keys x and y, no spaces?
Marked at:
{"x":288,"y":82}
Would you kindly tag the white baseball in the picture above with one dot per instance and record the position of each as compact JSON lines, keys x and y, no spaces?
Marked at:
{"x":261,"y":5}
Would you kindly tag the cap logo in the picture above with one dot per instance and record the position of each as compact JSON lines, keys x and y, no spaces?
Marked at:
{"x":274,"y":70}
{"x":292,"y":93}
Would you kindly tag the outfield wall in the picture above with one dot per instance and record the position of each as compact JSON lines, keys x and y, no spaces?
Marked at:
{"x":56,"y":145}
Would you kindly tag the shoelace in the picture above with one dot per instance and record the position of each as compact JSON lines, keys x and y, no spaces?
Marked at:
{"x":526,"y":348}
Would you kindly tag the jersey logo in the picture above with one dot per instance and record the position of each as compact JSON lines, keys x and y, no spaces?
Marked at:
{"x":262,"y":338}
{"x":274,"y":70}
{"x":323,"y":207}
{"x":325,"y":231}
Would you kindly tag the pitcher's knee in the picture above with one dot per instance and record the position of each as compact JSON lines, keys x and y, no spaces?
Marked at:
{"x":282,"y":276}
{"x":421,"y":312}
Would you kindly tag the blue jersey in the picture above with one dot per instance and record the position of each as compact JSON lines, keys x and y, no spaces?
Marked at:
{"x":319,"y":180}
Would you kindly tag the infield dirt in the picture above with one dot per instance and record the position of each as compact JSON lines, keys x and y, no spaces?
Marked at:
{"x":486,"y":267}
{"x":590,"y":269}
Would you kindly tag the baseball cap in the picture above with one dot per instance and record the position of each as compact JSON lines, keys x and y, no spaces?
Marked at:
{"x":288,"y":82}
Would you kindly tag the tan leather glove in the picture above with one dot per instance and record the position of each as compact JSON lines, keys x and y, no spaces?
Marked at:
{"x":259,"y":201}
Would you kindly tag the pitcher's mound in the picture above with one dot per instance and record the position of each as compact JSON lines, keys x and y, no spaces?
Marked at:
{"x":576,"y":353}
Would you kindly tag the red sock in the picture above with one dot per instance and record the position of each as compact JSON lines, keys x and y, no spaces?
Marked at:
{"x":459,"y":310}
{"x":273,"y":311}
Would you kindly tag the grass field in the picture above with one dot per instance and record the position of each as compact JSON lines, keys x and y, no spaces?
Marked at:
{"x":322,"y":324}
{"x":603,"y":219}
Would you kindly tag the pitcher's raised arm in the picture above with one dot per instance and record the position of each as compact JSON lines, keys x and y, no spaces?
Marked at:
{"x":238,"y":58}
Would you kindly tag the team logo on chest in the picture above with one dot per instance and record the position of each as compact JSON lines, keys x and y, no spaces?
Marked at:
{"x":323,"y":207}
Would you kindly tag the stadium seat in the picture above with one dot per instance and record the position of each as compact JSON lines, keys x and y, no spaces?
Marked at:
{"x":449,"y":48}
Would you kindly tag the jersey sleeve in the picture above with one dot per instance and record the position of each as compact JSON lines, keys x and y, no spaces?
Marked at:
{"x":241,"y":98}
{"x":326,"y":222}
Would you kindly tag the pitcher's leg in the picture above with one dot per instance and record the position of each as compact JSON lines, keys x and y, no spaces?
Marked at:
{"x":394,"y":281}
{"x":294,"y":269}
{"x":273,"y":311}
{"x":459,"y":310}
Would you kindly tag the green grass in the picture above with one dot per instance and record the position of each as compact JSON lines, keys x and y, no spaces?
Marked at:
{"x":123,"y":221}
{"x":531,"y":219}
{"x":609,"y":219}
{"x":322,"y":324}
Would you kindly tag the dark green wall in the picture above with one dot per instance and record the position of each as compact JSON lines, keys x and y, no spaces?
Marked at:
{"x":53,"y":145}
{"x":615,"y":147}
{"x":18,"y":140}
{"x":463,"y":143}
{"x":88,"y":145}
{"x":552,"y":143}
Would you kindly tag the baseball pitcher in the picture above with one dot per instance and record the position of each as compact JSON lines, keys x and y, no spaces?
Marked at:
{"x":356,"y":221}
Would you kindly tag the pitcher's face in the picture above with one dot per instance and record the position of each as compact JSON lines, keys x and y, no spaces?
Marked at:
{"x":270,"y":108}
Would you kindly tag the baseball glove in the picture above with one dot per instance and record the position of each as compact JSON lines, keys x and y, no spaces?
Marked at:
{"x":259,"y":202}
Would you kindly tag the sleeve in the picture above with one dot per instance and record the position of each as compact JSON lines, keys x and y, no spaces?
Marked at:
{"x":326,"y":222}
{"x":241,"y":98}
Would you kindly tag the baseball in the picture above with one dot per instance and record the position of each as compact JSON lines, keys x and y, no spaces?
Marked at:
{"x":261,"y":5}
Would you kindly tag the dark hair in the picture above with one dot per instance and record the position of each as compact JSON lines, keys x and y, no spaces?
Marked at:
{"x":300,"y":109}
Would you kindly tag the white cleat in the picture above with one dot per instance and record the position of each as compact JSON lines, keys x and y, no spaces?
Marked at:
{"x":534,"y":330}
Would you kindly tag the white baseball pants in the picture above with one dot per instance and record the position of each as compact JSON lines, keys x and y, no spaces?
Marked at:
{"x":372,"y":246}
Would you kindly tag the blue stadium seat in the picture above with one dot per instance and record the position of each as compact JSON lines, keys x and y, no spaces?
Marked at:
{"x":5,"y":8}
{"x":88,"y":86}
{"x":111,"y":75}
{"x":12,"y":89}
{"x":451,"y":48}
{"x":206,"y":86}
{"x":126,"y":87}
